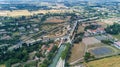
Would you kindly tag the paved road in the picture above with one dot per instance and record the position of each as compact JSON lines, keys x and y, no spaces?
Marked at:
{"x":60,"y":63}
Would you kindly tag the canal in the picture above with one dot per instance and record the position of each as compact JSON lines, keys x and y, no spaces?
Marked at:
{"x":57,"y":57}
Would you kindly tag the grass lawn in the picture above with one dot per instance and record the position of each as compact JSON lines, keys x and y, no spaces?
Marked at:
{"x":117,"y":36}
{"x":31,"y":55}
{"x":106,"y":62}
{"x":2,"y":65}
{"x":77,"y":52}
{"x":31,"y":64}
{"x":16,"y":34}
{"x":49,"y":26}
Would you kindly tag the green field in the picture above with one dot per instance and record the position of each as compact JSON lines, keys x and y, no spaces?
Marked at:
{"x":117,"y":36}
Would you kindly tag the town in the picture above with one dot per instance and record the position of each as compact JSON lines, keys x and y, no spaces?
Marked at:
{"x":59,"y":34}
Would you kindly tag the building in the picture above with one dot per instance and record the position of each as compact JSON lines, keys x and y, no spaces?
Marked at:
{"x":117,"y":44}
{"x":49,"y":49}
{"x":97,"y":31}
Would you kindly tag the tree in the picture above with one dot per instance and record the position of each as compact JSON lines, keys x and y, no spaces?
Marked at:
{"x":54,"y":48}
{"x":106,"y":42}
{"x":38,"y":54}
{"x":78,"y":39}
{"x":93,"y":27}
{"x":67,"y":64}
{"x":43,"y":65}
{"x":7,"y":64}
{"x":113,"y":29}
{"x":50,"y":56}
{"x":65,"y":52}
{"x":87,"y":56}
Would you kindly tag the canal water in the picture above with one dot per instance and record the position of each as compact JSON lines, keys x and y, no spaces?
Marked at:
{"x":57,"y":57}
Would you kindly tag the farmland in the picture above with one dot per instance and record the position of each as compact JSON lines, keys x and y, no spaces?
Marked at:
{"x":110,"y":21}
{"x":57,"y":19}
{"x":106,"y":62}
{"x":80,"y":29}
{"x":55,"y":30}
{"x":19,"y":13}
{"x":49,"y":26}
{"x":16,"y":13}
{"x":77,"y":52}
{"x":90,"y":40}
{"x":2,"y":65}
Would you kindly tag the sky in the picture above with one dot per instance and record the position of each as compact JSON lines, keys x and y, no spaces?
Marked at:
{"x":65,"y":0}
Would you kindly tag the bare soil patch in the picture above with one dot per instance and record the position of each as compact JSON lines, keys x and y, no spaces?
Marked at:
{"x":110,"y":21}
{"x":57,"y":19}
{"x":90,"y":41}
{"x":2,"y":65}
{"x":77,"y":52}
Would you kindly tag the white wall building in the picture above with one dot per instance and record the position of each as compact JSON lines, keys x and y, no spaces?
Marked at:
{"x":117,"y":44}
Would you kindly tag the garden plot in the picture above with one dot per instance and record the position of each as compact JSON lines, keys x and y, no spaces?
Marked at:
{"x":90,"y":41}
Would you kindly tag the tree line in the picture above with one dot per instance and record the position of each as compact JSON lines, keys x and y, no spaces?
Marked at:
{"x":113,"y":29}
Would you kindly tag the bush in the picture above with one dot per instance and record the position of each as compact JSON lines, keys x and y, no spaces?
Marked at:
{"x":93,"y":27}
{"x":78,"y":39}
{"x":106,"y":42}
{"x":88,"y":56}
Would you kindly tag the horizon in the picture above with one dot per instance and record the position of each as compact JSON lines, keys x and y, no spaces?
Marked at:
{"x":64,"y":0}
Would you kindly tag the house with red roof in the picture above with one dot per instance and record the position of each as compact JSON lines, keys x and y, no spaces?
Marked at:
{"x":97,"y":31}
{"x":49,"y":49}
